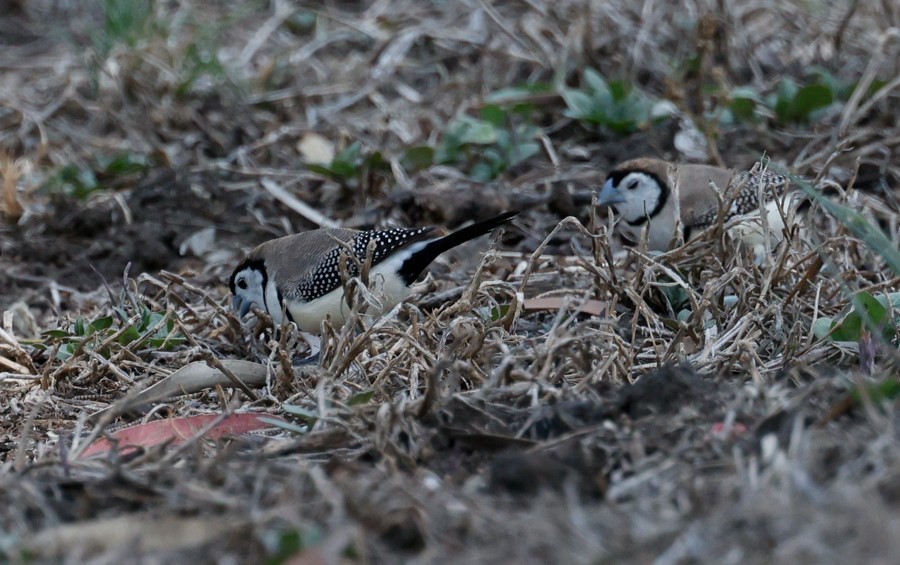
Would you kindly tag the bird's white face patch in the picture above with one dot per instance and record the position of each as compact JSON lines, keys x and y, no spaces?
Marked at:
{"x":273,"y":306}
{"x":640,"y":195}
{"x":248,"y":289}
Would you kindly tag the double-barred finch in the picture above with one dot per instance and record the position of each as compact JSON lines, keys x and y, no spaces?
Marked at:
{"x":303,"y":272}
{"x":652,"y":193}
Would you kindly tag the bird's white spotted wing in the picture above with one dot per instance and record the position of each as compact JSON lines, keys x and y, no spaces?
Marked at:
{"x":740,"y":194}
{"x":314,"y":266}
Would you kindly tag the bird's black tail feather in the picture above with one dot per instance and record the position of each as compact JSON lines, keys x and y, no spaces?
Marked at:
{"x":419,"y":260}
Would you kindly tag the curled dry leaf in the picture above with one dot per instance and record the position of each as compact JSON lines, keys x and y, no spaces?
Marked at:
{"x":592,"y":307}
{"x":140,"y":532}
{"x":189,"y":379}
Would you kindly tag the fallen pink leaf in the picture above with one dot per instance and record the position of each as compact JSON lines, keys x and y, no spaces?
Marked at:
{"x":722,"y":432}
{"x":178,"y":430}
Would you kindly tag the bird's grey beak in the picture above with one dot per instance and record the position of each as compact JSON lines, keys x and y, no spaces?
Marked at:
{"x":610,"y":194}
{"x":240,"y":306}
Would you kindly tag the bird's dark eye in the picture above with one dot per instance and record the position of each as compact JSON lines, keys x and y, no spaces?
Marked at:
{"x":632,"y":184}
{"x":242,"y":284}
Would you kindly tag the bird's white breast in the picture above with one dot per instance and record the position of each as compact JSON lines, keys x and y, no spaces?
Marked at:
{"x":661,"y":229}
{"x":780,"y":213}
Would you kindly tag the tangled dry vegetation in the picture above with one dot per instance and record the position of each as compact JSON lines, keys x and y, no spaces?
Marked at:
{"x":562,"y":398}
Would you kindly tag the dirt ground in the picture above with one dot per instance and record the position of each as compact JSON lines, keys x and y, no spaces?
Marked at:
{"x":548,"y":394}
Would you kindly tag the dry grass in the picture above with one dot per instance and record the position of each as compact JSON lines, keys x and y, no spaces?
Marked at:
{"x":469,"y":426}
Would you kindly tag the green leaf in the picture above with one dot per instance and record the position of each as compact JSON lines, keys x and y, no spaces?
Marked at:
{"x":615,"y":105}
{"x":887,"y":390}
{"x":361,"y":398}
{"x":343,"y":169}
{"x":477,"y":132}
{"x":418,"y":158}
{"x":517,"y":93}
{"x":580,"y":105}
{"x":120,"y":313}
{"x":482,"y":171}
{"x":743,"y":103}
{"x":795,"y":104}
{"x":877,"y":308}
{"x":825,"y":77}
{"x":150,"y":320}
{"x":166,"y":338}
{"x":286,"y":545}
{"x":101,"y":324}
{"x":619,"y":90}
{"x":499,"y":312}
{"x":350,"y":154}
{"x":377,"y":162}
{"x":891,"y":300}
{"x":676,"y":296}
{"x":848,"y":329}
{"x":875,"y":314}
{"x":73,"y":180}
{"x":494,"y":115}
{"x":55,"y":334}
{"x":523,"y":110}
{"x":595,"y":81}
{"x":746,"y":93}
{"x":324,"y":170}
{"x":868,"y":312}
{"x":811,"y":98}
{"x":484,"y":147}
{"x":301,"y":21}
{"x":165,"y":343}
{"x":66,"y":351}
{"x":125,"y":20}
{"x":79,"y":327}
{"x":495,"y":157}
{"x":784,"y":98}
{"x":822,"y":327}
{"x":129,"y":335}
{"x":523,"y":151}
{"x":347,"y":164}
{"x":306,"y":415}
{"x":448,"y":152}
{"x":124,"y":163}
{"x":874,"y":308}
{"x":516,"y":148}
{"x":621,"y":127}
